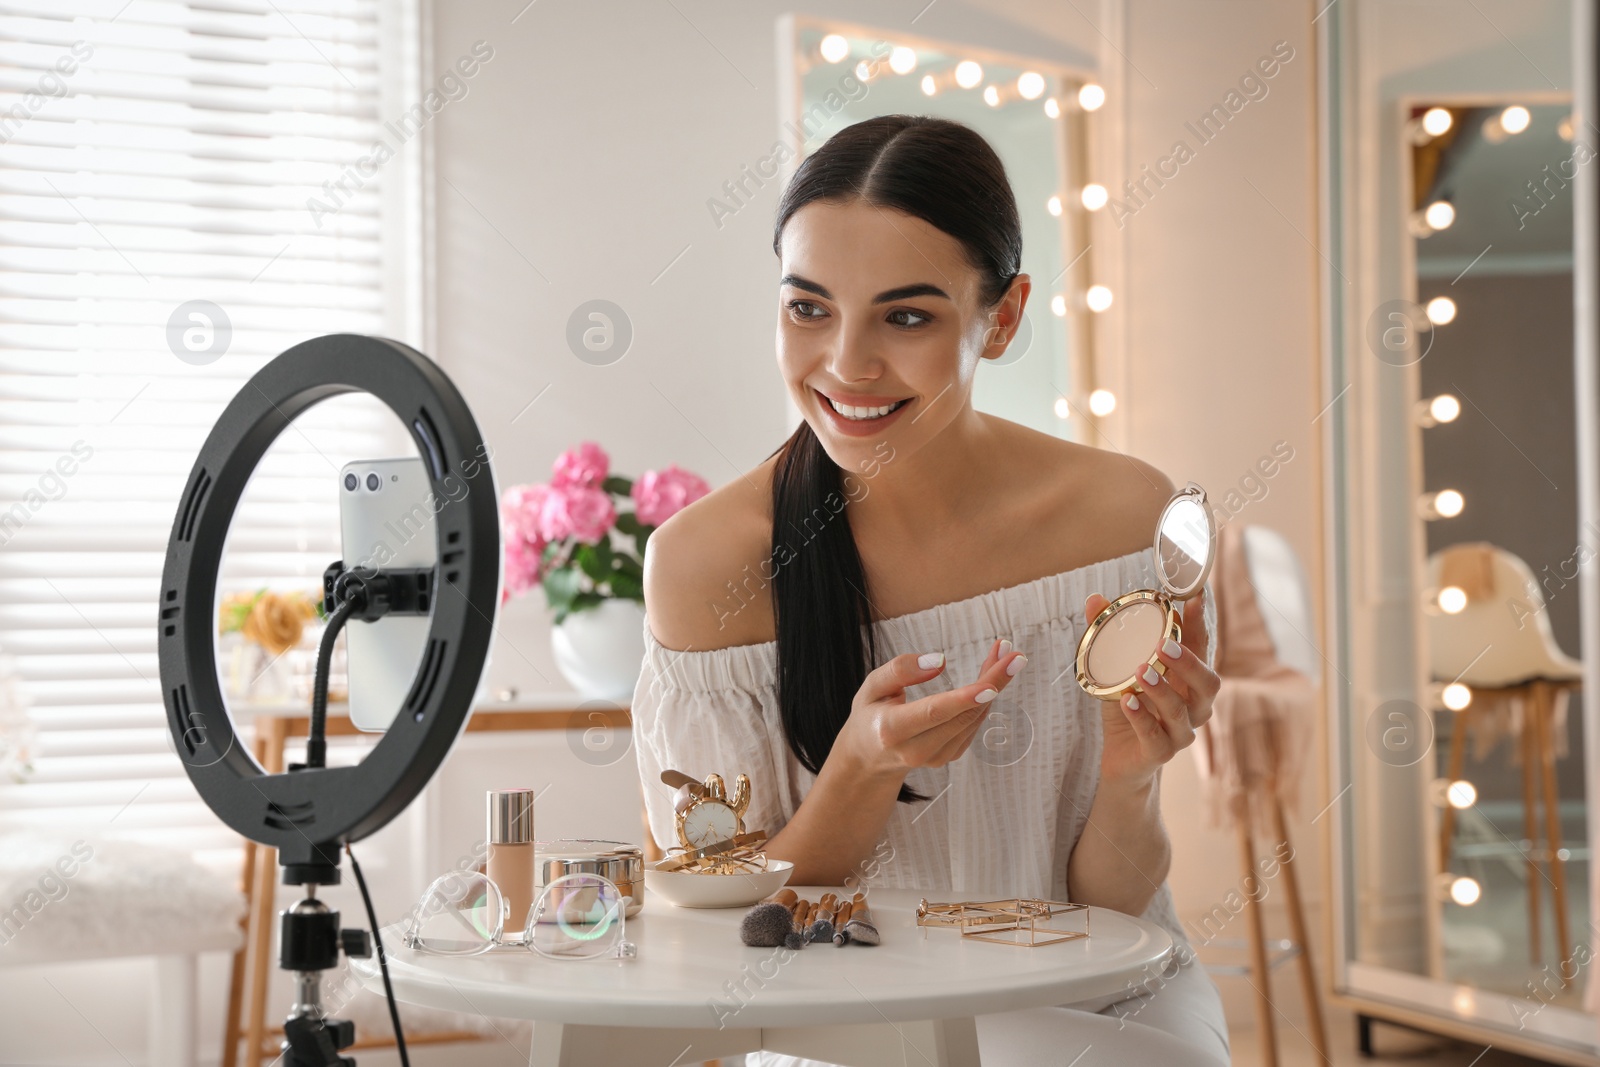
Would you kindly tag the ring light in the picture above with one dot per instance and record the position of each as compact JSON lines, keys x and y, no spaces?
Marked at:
{"x":306,"y":814}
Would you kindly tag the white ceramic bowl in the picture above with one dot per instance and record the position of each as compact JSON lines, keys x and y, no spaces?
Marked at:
{"x":689,"y":890}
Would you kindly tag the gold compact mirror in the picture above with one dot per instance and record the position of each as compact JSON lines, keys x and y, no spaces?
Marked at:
{"x":1128,"y":633}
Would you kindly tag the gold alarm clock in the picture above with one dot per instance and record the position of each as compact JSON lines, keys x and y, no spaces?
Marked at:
{"x":706,"y":814}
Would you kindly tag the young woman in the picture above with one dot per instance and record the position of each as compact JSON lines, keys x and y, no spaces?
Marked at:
{"x":849,"y":622}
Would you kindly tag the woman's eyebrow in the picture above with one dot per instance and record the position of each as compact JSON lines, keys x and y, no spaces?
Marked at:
{"x":885,"y":297}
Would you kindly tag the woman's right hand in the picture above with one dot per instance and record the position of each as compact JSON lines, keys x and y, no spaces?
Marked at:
{"x":888,"y":735}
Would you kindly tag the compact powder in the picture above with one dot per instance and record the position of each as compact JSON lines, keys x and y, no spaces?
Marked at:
{"x":1126,"y":642}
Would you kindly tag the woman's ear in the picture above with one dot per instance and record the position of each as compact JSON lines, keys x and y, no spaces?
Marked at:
{"x":1004,"y":319}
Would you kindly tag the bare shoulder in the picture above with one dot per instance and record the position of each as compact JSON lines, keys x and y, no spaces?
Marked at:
{"x":699,"y":592}
{"x":1105,"y":504}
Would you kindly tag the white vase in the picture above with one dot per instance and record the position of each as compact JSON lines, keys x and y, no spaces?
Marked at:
{"x":601,"y":649}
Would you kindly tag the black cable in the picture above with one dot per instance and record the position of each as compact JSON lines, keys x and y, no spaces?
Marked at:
{"x":316,"y":736}
{"x":383,"y":963}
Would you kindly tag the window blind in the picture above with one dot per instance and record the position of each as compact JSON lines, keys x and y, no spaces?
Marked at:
{"x":150,"y":158}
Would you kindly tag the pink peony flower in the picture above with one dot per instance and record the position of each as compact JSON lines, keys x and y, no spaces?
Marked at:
{"x":519,"y":512}
{"x":586,"y":465}
{"x":521,"y":568}
{"x":577,"y":511}
{"x":658,"y":495}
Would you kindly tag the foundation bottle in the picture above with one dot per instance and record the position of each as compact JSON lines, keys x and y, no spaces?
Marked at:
{"x":510,"y":862}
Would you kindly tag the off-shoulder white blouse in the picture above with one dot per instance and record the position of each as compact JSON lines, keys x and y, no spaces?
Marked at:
{"x":1002,"y":820}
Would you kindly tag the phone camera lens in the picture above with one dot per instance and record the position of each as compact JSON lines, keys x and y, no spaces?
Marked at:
{"x":374,"y":482}
{"x":351,"y":482}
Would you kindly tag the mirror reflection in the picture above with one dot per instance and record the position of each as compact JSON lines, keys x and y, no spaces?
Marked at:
{"x":1492,"y":225}
{"x":1184,"y":544}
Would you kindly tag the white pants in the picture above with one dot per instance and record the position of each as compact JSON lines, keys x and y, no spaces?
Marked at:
{"x":1177,"y":1022}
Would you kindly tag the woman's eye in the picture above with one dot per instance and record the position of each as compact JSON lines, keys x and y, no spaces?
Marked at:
{"x":916,"y":315}
{"x":802,"y":309}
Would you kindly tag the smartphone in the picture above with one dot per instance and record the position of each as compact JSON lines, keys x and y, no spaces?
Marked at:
{"x":386,"y":519}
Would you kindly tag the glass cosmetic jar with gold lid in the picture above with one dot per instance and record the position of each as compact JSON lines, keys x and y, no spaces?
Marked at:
{"x":618,"y":862}
{"x":1125,"y":637}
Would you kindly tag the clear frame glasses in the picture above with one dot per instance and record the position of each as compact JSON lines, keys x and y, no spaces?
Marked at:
{"x":575,"y":917}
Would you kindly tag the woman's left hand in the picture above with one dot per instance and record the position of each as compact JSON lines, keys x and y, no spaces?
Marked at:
{"x":1154,"y":721}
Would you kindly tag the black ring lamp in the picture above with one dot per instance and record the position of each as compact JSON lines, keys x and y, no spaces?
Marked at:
{"x":307,"y":813}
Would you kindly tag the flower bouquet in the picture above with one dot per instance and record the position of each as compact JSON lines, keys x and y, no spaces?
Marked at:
{"x":558,"y":535}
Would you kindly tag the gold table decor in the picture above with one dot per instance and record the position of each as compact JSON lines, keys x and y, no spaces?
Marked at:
{"x":1024,"y":921}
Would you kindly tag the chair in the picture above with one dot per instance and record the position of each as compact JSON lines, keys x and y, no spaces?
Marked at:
{"x":1251,"y":753}
{"x":1500,"y":645}
{"x":121,"y":898}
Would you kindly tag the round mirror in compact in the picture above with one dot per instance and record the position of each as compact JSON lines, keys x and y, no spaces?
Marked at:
{"x":1125,"y":637}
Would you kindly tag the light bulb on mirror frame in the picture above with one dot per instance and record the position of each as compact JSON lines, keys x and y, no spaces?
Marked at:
{"x":930,"y":86}
{"x":1030,"y":85}
{"x":1451,"y":600}
{"x":1441,"y":311}
{"x":1447,"y":503}
{"x":968,"y":74}
{"x":1053,"y":205}
{"x":1439,"y":215}
{"x":1465,"y":891}
{"x":1437,"y":410}
{"x":1097,"y":297}
{"x":1102,"y":402}
{"x":1063,"y":409}
{"x":1094,"y":196}
{"x":1437,"y":121}
{"x":1515,"y":119}
{"x":834,"y":48}
{"x":1091,"y":96}
{"x":902,"y":60}
{"x":1461,"y":794}
{"x":991,"y":96}
{"x":1052,"y":109}
{"x":1456,"y":696}
{"x":1058,"y":305}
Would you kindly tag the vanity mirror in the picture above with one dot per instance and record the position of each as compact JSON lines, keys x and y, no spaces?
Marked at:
{"x":1460,"y":415}
{"x":1123,"y":639}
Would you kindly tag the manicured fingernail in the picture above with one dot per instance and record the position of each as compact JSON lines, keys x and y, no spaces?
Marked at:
{"x":1017,"y":664}
{"x":929,"y":660}
{"x":1172,"y":648}
{"x":1005,"y":646}
{"x":1151,"y":676}
{"x":1133,"y":702}
{"x":985,"y":696}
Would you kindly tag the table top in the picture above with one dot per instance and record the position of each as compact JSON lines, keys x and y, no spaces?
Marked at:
{"x":692,"y":971}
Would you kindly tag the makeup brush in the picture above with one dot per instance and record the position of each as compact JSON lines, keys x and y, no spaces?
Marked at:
{"x":769,"y":926}
{"x":860,"y":926}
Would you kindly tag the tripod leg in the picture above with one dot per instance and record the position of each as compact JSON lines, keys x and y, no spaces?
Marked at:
{"x":1258,"y":942}
{"x":1552,"y":815}
{"x":1530,"y":826}
{"x":1297,"y":925}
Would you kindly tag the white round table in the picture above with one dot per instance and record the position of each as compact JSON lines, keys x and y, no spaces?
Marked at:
{"x":697,"y":988}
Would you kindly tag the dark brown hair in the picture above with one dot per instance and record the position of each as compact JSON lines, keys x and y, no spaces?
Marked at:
{"x":947,"y":175}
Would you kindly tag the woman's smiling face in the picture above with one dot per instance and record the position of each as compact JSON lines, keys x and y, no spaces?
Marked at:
{"x":879,"y":308}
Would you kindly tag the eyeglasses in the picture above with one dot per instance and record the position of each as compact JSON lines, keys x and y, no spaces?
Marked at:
{"x":576,"y":916}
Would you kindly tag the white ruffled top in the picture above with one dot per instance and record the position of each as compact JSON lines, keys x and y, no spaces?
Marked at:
{"x":1002,"y":820}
